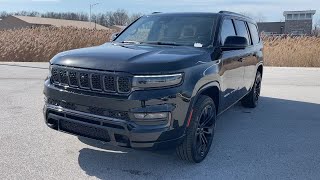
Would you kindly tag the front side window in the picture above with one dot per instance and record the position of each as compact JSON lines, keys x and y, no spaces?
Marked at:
{"x":242,"y":29}
{"x":177,"y":30}
{"x":227,"y":30}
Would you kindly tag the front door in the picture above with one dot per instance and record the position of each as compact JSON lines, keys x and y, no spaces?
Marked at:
{"x":232,"y":80}
{"x":232,"y":70}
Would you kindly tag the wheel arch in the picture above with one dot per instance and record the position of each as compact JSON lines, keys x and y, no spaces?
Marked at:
{"x":212,"y":90}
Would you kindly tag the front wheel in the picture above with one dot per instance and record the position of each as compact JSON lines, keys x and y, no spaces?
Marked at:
{"x":251,"y":100}
{"x":200,"y":132}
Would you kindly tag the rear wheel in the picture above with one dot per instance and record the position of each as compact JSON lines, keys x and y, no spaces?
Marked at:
{"x":251,"y":100}
{"x":200,"y":132}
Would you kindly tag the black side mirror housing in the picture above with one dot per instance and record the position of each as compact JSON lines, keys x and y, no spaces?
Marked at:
{"x":235,"y":43}
{"x":114,"y":36}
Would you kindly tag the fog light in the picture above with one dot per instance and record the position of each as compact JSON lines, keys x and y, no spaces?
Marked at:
{"x":161,"y":115}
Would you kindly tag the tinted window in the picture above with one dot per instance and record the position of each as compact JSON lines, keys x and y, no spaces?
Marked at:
{"x":254,"y":33}
{"x":141,"y":33}
{"x":227,"y":30}
{"x":241,"y":29}
{"x":181,"y":30}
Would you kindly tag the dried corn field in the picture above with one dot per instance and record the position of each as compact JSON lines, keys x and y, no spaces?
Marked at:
{"x":41,"y":44}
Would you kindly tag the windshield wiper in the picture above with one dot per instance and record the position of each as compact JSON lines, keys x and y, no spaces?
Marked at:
{"x":131,"y":42}
{"x":162,"y":43}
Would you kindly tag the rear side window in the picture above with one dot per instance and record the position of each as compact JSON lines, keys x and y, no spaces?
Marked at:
{"x":227,"y":29}
{"x":254,"y":33}
{"x":242,"y":29}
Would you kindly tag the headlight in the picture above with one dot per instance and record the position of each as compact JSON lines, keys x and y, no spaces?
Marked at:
{"x":156,"y":81}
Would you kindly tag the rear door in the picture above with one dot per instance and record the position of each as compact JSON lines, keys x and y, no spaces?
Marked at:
{"x":256,"y":53}
{"x":232,"y":70}
{"x":245,"y":54}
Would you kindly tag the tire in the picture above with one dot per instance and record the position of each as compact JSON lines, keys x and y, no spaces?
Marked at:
{"x":200,"y":132}
{"x":251,"y":100}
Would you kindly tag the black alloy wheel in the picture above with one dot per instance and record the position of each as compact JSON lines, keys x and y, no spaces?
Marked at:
{"x":251,"y":100}
{"x":200,"y":132}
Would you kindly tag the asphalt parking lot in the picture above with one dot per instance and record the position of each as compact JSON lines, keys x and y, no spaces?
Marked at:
{"x":280,"y":139}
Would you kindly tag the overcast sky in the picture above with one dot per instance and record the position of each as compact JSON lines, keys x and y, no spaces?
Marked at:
{"x":271,"y":10}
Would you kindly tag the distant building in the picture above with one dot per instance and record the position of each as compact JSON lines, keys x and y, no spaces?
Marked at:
{"x":270,"y":28}
{"x":296,"y":23}
{"x":17,"y":22}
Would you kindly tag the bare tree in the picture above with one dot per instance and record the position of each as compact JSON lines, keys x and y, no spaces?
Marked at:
{"x":109,"y":18}
{"x":135,"y":16}
{"x":121,"y":17}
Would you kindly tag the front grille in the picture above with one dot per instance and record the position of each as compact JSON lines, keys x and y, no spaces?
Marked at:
{"x":111,"y":83}
{"x":84,"y":130}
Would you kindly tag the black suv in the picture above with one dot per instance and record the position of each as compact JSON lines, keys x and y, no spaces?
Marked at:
{"x":160,"y":83}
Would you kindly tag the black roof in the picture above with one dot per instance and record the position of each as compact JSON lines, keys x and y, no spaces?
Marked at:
{"x":221,"y":13}
{"x":184,"y":13}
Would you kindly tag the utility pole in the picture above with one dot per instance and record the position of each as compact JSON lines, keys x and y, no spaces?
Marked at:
{"x":91,"y":5}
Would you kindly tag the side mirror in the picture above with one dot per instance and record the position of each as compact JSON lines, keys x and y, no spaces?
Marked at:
{"x":235,"y":43}
{"x":114,"y":36}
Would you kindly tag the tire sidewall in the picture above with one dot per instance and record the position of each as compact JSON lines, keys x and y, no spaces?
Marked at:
{"x":199,"y":106}
{"x":258,"y":77}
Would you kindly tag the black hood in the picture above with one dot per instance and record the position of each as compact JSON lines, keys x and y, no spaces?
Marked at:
{"x":135,"y":59}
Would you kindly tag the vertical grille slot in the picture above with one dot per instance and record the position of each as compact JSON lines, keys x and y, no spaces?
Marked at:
{"x":84,"y":80}
{"x":55,"y":76}
{"x":73,"y":79}
{"x":124,"y":84}
{"x":96,"y":82}
{"x":109,"y":83}
{"x":64,"y":77}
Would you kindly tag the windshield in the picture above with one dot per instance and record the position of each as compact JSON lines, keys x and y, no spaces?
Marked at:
{"x":184,"y":30}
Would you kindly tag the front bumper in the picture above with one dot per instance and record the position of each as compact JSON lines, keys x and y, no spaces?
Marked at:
{"x":76,"y":117}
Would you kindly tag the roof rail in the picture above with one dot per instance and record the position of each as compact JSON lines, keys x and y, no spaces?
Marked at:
{"x":156,"y":12}
{"x":233,"y":13}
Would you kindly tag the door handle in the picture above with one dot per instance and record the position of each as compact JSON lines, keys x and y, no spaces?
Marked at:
{"x":240,"y":59}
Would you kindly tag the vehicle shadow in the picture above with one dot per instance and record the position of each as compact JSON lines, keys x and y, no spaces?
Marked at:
{"x":247,"y":141}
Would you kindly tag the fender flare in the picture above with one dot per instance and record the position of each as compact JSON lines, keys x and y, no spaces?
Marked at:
{"x":204,"y":87}
{"x":196,"y":95}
